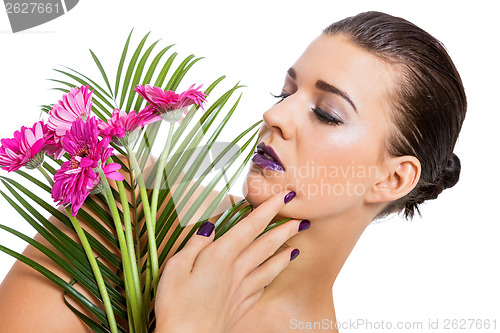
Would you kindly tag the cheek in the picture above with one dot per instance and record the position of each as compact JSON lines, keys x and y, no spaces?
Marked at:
{"x":333,"y":170}
{"x":337,"y":170}
{"x":253,"y":188}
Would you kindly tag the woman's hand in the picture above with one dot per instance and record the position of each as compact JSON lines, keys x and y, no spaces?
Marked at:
{"x":208,"y":286}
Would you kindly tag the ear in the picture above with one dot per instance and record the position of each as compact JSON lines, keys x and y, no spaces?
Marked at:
{"x":402,"y":175}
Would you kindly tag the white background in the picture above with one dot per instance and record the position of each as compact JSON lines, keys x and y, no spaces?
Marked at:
{"x":443,"y":266}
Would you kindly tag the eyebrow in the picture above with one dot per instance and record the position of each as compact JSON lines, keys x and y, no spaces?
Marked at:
{"x":322,"y":85}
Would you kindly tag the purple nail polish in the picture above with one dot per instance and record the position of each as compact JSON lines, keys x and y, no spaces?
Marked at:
{"x":206,"y":229}
{"x":305,"y":224}
{"x":289,"y":196}
{"x":294,"y":254}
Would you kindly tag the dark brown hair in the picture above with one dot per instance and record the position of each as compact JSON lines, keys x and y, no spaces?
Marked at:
{"x":428,"y":104}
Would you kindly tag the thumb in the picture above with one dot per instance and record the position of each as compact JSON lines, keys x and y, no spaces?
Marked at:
{"x":203,"y":237}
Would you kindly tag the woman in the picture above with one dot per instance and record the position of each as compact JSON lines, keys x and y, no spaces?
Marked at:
{"x":365,"y":126}
{"x":375,"y":102}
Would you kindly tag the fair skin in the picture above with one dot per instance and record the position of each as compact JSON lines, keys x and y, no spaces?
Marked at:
{"x":228,"y":285}
{"x":364,"y":179}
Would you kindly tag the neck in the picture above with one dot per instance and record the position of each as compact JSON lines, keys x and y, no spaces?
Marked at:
{"x":304,"y":288}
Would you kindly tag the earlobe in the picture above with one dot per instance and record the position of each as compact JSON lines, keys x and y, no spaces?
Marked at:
{"x":402,"y":176}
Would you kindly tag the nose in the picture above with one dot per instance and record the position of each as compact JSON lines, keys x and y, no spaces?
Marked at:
{"x":279,"y":119}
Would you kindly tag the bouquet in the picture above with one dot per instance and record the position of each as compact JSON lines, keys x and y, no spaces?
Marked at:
{"x":92,"y":153}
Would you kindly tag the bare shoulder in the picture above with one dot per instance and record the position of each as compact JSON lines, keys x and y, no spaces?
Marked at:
{"x":29,"y":302}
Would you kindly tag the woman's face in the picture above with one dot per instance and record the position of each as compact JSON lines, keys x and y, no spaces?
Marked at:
{"x":328,"y":129}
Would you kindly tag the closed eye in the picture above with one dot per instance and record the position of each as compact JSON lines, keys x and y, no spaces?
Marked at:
{"x":323,"y":116}
{"x":326,"y":117}
{"x":281,"y":96}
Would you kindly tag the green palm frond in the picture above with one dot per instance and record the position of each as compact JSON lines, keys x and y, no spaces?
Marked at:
{"x":193,"y":142}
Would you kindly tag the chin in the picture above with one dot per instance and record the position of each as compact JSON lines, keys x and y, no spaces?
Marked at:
{"x":257,"y":188}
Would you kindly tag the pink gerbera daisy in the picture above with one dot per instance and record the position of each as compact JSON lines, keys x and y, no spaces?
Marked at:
{"x":192,"y":96}
{"x":123,"y":127}
{"x":76,"y":178}
{"x":52,"y":148}
{"x":25,"y":149}
{"x":160,"y":100}
{"x":171,"y":106}
{"x":76,"y":104}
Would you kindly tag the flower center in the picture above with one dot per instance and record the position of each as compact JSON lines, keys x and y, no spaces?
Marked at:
{"x":82,"y":152}
{"x":74,"y":163}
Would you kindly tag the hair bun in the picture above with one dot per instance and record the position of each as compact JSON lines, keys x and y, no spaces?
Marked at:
{"x":428,"y":191}
{"x":451,"y":173}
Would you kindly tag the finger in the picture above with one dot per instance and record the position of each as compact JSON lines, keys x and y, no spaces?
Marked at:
{"x":203,"y":238}
{"x":243,"y":233}
{"x":245,"y":306}
{"x":263,"y":275}
{"x":264,"y":247}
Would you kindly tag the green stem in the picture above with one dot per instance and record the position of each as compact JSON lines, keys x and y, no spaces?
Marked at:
{"x":147,"y":290}
{"x":131,"y":251}
{"x":159,"y":172}
{"x":127,"y":264}
{"x":136,"y":222}
{"x":46,"y":175}
{"x":95,"y":269}
{"x":130,"y":315}
{"x":153,"y":252}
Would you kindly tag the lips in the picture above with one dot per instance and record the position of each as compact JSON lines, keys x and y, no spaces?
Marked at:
{"x":266,"y":158}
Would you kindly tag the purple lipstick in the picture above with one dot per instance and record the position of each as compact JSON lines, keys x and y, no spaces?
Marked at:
{"x":266,"y":158}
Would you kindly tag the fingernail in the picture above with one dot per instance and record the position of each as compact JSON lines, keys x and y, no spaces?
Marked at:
{"x":305,"y":224}
{"x":289,"y":196}
{"x":294,"y":254}
{"x":206,"y":229}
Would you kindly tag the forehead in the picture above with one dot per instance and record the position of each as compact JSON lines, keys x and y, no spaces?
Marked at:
{"x":367,"y":79}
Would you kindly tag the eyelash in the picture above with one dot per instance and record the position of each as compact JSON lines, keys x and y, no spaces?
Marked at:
{"x":323,"y":116}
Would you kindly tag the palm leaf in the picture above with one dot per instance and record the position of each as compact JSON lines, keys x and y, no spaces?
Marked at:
{"x":101,"y":69}
{"x":149,"y":74}
{"x":130,"y":70}
{"x":122,"y":62}
{"x":162,"y":68}
{"x":99,"y":92}
{"x":137,"y":75}
{"x":94,"y":326}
